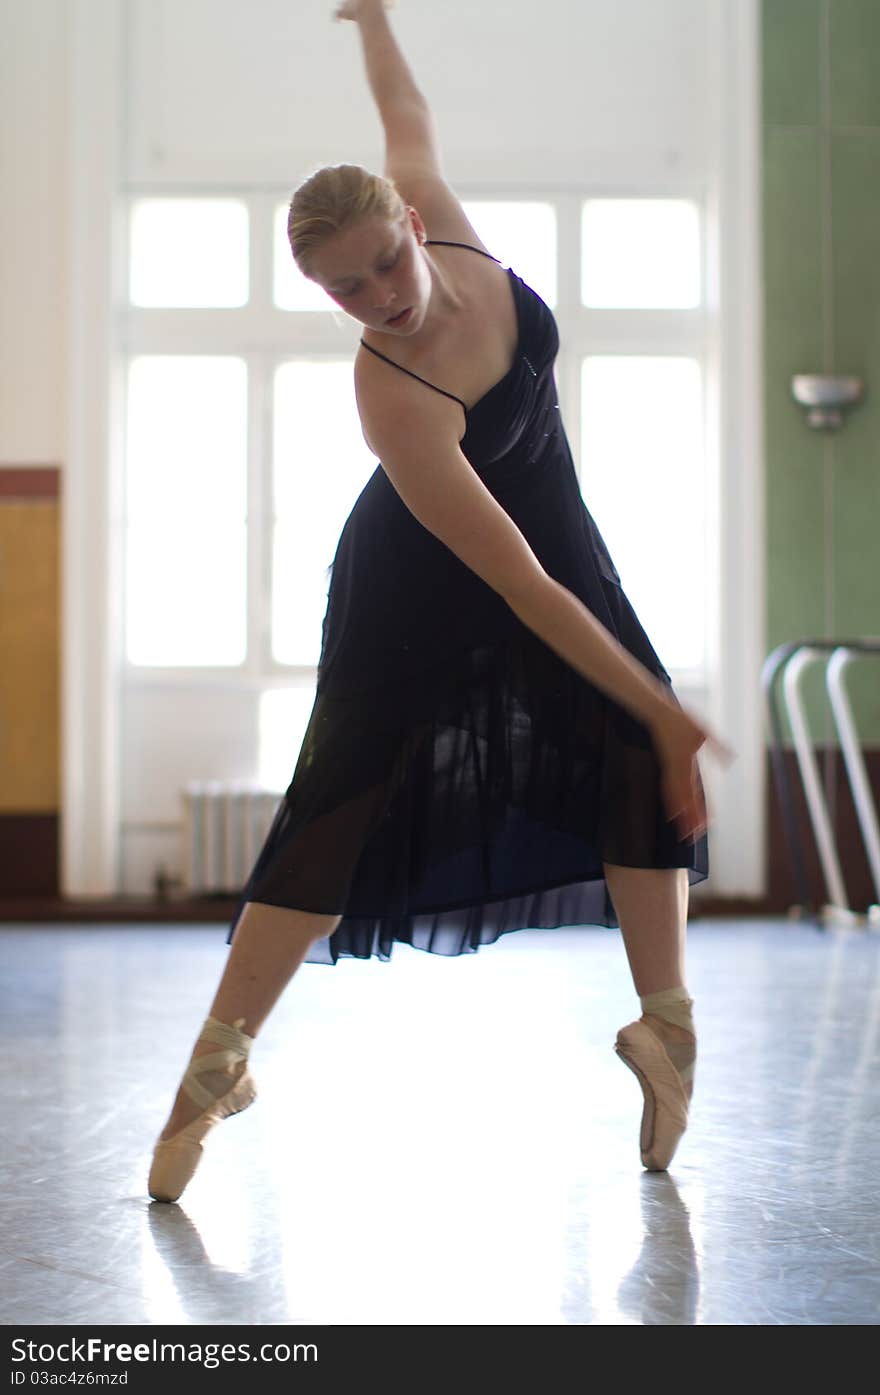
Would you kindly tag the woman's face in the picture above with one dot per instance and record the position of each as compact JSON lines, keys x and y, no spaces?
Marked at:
{"x":376,"y":273}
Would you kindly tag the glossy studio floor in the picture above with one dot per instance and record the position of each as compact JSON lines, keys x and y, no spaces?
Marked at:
{"x":443,"y":1141}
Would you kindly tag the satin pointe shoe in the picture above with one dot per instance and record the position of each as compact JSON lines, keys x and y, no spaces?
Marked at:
{"x":175,"y":1159}
{"x":666,"y":1101}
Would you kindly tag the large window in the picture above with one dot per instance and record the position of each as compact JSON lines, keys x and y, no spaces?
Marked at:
{"x":244,"y":453}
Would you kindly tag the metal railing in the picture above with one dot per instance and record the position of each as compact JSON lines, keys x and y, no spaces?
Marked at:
{"x":786,"y":667}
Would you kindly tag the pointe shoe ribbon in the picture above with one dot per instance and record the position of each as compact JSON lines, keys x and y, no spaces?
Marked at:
{"x":175,"y":1159}
{"x":665,"y":1113}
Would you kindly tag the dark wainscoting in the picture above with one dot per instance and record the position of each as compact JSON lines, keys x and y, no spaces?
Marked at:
{"x":29,"y":865}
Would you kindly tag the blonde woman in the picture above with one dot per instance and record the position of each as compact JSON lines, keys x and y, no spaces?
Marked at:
{"x":494,"y":743}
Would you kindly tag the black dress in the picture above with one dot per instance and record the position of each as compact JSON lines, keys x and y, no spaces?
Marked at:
{"x":457,"y":778}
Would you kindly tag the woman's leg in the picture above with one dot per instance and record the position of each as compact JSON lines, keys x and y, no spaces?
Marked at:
{"x":652,"y":907}
{"x":269,"y":944}
{"x":660,"y":1048}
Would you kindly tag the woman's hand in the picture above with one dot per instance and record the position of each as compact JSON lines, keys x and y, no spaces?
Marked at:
{"x":677,"y":736}
{"x":355,"y":9}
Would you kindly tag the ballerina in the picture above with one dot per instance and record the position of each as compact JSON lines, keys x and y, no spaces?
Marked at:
{"x":447,"y":598}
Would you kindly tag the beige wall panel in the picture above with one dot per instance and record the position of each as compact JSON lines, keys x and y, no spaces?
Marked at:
{"x":29,"y":643}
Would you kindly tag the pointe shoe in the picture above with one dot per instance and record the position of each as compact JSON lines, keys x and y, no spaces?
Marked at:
{"x":666,"y":1103}
{"x":175,"y":1159}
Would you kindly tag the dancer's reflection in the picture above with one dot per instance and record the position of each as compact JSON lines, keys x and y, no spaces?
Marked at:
{"x":202,"y":1290}
{"x":663,"y":1286}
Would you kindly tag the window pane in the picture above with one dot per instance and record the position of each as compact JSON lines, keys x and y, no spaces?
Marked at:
{"x":523,"y":236}
{"x":186,"y":502}
{"x":643,"y":480}
{"x":641,"y":254}
{"x":189,"y":252}
{"x":186,"y":437}
{"x":293,"y":291}
{"x":321,"y":464}
{"x":186,"y":589}
{"x":283,"y":717}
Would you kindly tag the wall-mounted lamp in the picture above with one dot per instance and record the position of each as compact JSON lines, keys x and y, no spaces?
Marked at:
{"x":826,"y":396}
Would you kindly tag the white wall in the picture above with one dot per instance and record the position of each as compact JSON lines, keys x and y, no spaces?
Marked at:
{"x":264,"y":91}
{"x":33,"y":231}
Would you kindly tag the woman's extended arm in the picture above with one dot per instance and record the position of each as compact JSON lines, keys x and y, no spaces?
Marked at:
{"x":441,"y":489}
{"x":411,"y":141}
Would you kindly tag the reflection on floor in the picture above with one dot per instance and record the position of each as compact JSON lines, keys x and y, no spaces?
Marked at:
{"x":443,"y":1141}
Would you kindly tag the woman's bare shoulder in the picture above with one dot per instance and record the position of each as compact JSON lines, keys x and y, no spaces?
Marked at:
{"x":395,"y":407}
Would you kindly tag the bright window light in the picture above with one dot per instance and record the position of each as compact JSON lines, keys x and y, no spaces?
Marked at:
{"x":643,"y":480}
{"x":185,"y":594}
{"x":186,"y":503}
{"x":189,"y":253}
{"x":283,"y":717}
{"x":641,"y":254}
{"x":523,"y":236}
{"x":321,"y":463}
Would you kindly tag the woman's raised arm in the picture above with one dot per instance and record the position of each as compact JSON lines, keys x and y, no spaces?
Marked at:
{"x":412,"y":144}
{"x":412,"y":148}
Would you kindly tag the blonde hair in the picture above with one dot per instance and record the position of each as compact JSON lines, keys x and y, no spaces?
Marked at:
{"x":333,"y":198}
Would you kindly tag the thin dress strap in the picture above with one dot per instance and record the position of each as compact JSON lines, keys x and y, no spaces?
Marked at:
{"x":438,"y":242}
{"x":414,"y":375}
{"x":432,"y":242}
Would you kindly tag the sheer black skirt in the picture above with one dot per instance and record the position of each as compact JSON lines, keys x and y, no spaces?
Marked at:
{"x":479,"y":795}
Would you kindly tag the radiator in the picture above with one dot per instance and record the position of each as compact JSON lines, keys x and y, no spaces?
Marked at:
{"x":224,"y":827}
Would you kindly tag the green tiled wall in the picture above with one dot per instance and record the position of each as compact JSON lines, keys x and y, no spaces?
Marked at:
{"x":821,"y":226}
